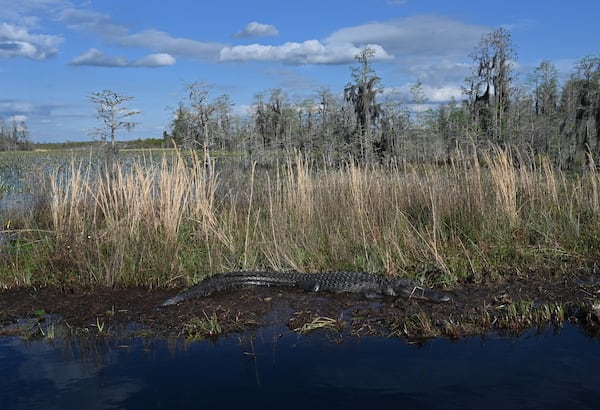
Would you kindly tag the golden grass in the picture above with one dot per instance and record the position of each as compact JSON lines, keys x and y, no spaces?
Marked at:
{"x":177,"y":220}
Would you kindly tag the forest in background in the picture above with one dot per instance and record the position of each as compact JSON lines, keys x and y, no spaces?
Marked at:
{"x":535,"y":114}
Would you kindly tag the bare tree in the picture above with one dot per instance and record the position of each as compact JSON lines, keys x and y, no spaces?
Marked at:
{"x":202,"y":112}
{"x":110,"y":110}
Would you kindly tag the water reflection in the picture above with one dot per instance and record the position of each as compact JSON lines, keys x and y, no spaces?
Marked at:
{"x":45,"y":375}
{"x":532,"y":371}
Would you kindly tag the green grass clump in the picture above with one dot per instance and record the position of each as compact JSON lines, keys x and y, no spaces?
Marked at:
{"x":321,"y":323}
{"x":200,"y":328}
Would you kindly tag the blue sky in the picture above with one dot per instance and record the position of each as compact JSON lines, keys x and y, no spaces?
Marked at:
{"x":55,"y":53}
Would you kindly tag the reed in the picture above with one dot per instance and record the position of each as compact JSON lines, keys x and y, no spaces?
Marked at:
{"x":176,"y":220}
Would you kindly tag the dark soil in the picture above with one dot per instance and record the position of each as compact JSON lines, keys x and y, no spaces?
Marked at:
{"x":510,"y":304}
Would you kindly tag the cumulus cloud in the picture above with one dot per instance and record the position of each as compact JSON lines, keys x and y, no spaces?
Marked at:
{"x":308,"y":52}
{"x":442,"y":94}
{"x":256,"y":29}
{"x":17,"y":41}
{"x":95,"y":57}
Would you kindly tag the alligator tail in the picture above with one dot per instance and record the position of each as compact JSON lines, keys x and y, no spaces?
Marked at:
{"x":233,"y":280}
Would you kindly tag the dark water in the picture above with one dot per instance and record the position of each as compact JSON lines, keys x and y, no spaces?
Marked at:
{"x":544,"y":371}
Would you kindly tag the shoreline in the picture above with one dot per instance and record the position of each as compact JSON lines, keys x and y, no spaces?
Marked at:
{"x":513,"y":306}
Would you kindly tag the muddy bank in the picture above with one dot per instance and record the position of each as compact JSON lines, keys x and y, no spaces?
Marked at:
{"x":515,"y":303}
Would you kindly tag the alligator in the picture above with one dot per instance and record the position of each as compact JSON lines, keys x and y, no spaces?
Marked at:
{"x":365,"y":283}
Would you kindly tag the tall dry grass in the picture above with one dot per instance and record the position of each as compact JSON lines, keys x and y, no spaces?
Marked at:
{"x":127,"y":227}
{"x":179,"y":220}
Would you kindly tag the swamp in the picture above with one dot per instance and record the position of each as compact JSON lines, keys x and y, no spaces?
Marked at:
{"x":88,"y":259}
{"x":493,"y":202}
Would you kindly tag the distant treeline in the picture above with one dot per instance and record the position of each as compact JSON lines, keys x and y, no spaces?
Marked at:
{"x":86,"y":145}
{"x":535,"y":114}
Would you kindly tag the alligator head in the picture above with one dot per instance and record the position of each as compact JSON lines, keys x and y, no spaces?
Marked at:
{"x":412,"y":289}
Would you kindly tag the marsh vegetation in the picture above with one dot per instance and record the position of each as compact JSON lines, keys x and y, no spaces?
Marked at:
{"x":169,"y":219}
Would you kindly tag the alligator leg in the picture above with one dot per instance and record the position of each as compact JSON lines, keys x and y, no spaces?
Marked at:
{"x":310,"y":285}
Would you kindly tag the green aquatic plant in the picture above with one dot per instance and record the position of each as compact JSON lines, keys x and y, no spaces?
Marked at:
{"x":99,"y":325}
{"x":416,"y":325}
{"x":320,"y":323}
{"x":200,"y":328}
{"x":50,"y":333}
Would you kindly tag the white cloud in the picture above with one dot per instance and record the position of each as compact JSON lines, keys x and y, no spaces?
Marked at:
{"x":156,"y":60}
{"x":256,"y":29}
{"x":120,"y":35}
{"x":442,"y":94}
{"x":18,"y":118}
{"x":95,"y":57}
{"x":308,"y":52}
{"x":16,"y":41}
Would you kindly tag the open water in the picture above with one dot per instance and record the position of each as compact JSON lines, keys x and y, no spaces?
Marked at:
{"x":266,"y":370}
